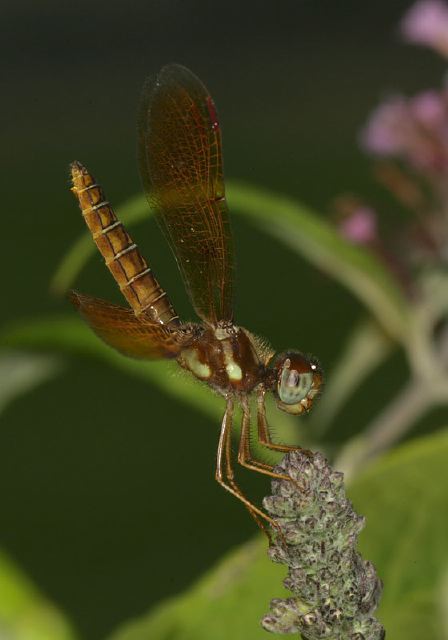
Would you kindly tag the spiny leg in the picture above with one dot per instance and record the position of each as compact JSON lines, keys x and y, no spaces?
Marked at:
{"x":230,"y":477}
{"x":265,"y":440}
{"x":244,"y":453}
{"x":264,"y":436}
{"x":227,"y":484}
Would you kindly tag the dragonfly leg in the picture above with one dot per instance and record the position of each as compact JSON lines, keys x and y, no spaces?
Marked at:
{"x":244,"y":453}
{"x":264,"y":436}
{"x":230,"y":476}
{"x":226,"y":477}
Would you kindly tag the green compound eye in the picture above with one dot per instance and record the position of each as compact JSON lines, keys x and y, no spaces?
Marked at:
{"x":298,"y":381}
{"x":293,"y":386}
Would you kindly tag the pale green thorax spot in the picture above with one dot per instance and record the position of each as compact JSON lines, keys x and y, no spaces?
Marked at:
{"x":198,"y":368}
{"x":234,"y":371}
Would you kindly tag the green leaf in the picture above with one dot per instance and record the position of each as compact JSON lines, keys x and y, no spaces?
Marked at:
{"x":21,"y":372}
{"x":366,"y":348}
{"x":300,"y":229}
{"x":405,"y":501}
{"x":321,"y":244}
{"x":227,"y":603}
{"x":24,"y":613}
{"x":71,"y":336}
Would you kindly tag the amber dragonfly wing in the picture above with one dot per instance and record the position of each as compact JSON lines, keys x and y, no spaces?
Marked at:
{"x":181,"y":166}
{"x":120,"y":328}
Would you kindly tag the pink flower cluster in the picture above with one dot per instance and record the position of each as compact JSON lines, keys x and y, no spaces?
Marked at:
{"x":414,"y":132}
{"x":412,"y":129}
{"x":415,"y":129}
{"x":426,"y":23}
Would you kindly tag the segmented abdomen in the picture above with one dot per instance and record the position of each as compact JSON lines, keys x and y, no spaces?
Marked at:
{"x":121,"y":254}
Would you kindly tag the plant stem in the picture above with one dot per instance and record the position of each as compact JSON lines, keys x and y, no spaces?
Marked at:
{"x":386,"y":429}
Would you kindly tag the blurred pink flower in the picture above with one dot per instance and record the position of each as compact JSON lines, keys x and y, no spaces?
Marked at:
{"x":414,"y":129}
{"x":426,"y":23}
{"x":388,"y":128}
{"x":360,"y":226}
{"x":430,"y":109}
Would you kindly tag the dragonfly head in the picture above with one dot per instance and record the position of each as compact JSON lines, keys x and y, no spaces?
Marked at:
{"x":296,"y":382}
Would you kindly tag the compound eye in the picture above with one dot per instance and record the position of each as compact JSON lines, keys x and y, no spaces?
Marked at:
{"x":294,"y":382}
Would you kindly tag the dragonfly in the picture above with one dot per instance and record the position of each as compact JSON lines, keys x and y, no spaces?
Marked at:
{"x":181,"y":167}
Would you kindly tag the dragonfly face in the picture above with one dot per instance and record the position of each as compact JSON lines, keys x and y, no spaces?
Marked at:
{"x":181,"y":167}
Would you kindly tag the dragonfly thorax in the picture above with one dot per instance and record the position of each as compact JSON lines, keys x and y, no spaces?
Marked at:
{"x":226,"y":358}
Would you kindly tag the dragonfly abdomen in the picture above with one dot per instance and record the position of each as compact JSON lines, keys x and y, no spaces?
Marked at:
{"x":122,"y":256}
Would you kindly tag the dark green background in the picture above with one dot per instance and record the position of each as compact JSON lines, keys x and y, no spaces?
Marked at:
{"x":83,"y":509}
